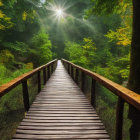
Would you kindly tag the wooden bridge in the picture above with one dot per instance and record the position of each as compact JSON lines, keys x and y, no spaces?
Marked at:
{"x":61,"y":110}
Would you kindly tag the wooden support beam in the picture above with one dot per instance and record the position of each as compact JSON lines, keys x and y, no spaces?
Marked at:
{"x":93,"y":93}
{"x":48,"y":72}
{"x":119,"y":118}
{"x":25,"y":95}
{"x":83,"y":77}
{"x":69,"y":68}
{"x":39,"y":81}
{"x":52,"y":68}
{"x":44,"y":76}
{"x":72,"y":72}
{"x":77,"y":76}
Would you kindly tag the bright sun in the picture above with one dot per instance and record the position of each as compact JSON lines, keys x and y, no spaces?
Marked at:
{"x":59,"y":12}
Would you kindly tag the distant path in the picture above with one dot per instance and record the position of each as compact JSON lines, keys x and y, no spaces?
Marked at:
{"x":61,"y":111}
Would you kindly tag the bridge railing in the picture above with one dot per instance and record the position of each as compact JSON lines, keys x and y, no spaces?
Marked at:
{"x":5,"y":88}
{"x":124,"y":94}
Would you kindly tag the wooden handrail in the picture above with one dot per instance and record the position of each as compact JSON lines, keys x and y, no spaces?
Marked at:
{"x":124,"y":94}
{"x":128,"y":95}
{"x":13,"y":83}
{"x":23,"y":80}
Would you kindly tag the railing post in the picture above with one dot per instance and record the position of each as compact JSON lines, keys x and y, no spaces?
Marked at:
{"x":83,"y":81}
{"x":93,"y":94}
{"x":119,"y":118}
{"x":39,"y":81}
{"x":48,"y":72}
{"x":72,"y":71}
{"x":63,"y":63}
{"x":68,"y":68}
{"x":51,"y":68}
{"x":25,"y":95}
{"x":44,"y":76}
{"x":76,"y":76}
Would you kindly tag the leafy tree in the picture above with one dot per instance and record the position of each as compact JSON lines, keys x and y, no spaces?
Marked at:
{"x":40,"y":49}
{"x":5,"y":21}
{"x":81,"y":54}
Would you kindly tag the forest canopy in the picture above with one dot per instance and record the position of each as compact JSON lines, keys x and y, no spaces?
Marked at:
{"x":36,"y":31}
{"x":33,"y":32}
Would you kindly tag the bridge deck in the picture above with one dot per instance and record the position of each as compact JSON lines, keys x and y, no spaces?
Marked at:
{"x":61,"y":111}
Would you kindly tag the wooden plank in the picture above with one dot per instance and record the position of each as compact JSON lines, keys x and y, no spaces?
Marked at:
{"x":60,"y":124}
{"x":62,"y":112}
{"x":62,"y":128}
{"x":43,"y":131}
{"x":60,"y":139}
{"x":61,"y":108}
{"x":61,"y":115}
{"x":45,"y":137}
{"x":62,"y":121}
{"x":60,"y":105}
{"x":61,"y":118}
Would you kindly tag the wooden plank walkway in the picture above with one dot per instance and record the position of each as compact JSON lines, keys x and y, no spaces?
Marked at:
{"x":61,"y":111}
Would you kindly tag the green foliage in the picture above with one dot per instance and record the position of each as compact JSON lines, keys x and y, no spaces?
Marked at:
{"x":74,"y":53}
{"x":122,"y":36}
{"x":6,"y":57}
{"x":40,"y":49}
{"x":5,"y":21}
{"x":81,"y":54}
{"x":3,"y":72}
{"x":19,"y":49}
{"x":106,"y":7}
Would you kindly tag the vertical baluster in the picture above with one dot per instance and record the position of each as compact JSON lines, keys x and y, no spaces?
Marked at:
{"x":51,"y":68}
{"x":63,"y":63}
{"x":119,"y":118}
{"x":25,"y":95}
{"x":44,"y":76}
{"x":39,"y":81}
{"x":48,"y":72}
{"x":76,"y":76}
{"x":83,"y":81}
{"x":93,"y":94}
{"x":55,"y":64}
{"x":69,"y":68}
{"x":72,"y":71}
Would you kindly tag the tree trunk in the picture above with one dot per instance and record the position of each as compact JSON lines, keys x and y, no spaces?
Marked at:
{"x":134,"y":77}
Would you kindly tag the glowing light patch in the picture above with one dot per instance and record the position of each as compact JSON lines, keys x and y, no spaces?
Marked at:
{"x":59,"y":12}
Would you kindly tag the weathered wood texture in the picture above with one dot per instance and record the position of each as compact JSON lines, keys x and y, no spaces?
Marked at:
{"x":5,"y":88}
{"x":61,"y":111}
{"x":129,"y":96}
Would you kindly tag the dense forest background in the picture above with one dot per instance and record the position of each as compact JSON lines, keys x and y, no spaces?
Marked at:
{"x":99,"y":39}
{"x":31,"y":35}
